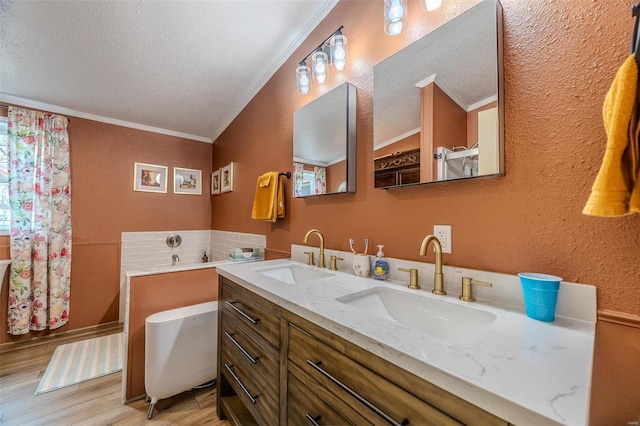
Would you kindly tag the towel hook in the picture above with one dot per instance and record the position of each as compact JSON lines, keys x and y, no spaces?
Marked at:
{"x":287,"y":174}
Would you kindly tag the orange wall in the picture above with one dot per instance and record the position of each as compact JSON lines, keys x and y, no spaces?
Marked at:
{"x":528,"y":220}
{"x":156,"y":293}
{"x":104,"y":205}
{"x":449,"y":121}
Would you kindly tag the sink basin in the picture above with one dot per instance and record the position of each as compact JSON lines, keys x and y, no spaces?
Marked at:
{"x":292,"y":274}
{"x":439,"y":318}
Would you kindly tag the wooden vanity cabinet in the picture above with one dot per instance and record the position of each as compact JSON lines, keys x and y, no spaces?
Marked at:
{"x":400,"y":168}
{"x":249,"y":343}
{"x":321,"y":378}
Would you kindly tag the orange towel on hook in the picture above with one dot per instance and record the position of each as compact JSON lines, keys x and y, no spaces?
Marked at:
{"x":617,"y":180}
{"x":268,"y":203}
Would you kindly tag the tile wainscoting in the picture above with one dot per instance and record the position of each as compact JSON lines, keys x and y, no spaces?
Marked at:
{"x":142,"y":250}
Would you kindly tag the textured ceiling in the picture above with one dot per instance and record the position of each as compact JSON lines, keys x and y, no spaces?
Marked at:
{"x":188,"y":67}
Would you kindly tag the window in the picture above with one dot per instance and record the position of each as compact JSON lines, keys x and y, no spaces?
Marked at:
{"x":308,"y":183}
{"x":5,"y":216}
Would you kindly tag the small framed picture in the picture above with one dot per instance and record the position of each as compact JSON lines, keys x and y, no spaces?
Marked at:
{"x":187,"y":181}
{"x":226,"y":178}
{"x":149,"y":178}
{"x":215,"y":182}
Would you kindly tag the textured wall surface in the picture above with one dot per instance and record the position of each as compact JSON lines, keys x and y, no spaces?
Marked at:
{"x":560,"y":58}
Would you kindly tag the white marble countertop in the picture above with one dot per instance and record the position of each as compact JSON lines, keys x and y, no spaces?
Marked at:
{"x":522,"y":370}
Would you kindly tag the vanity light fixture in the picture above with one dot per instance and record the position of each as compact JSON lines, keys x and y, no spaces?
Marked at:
{"x":430,"y":5}
{"x":332,"y":50}
{"x":395,"y":16}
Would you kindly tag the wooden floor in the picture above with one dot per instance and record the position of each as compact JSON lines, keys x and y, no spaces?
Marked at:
{"x":94,"y":402}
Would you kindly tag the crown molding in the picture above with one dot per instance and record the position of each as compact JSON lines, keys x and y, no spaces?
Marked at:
{"x":28,"y":103}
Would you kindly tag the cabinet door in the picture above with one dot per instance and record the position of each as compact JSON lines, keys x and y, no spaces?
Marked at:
{"x":240,"y":343}
{"x":307,"y":408}
{"x":253,"y":315}
{"x":239,"y":374}
{"x":407,"y":176}
{"x":379,"y":401}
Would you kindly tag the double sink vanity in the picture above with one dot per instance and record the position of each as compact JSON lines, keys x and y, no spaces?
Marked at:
{"x":299,"y":344}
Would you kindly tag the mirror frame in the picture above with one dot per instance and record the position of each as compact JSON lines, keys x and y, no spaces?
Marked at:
{"x":349,"y":134}
{"x":497,"y":6}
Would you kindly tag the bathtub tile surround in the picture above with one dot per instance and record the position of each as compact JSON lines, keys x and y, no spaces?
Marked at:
{"x":223,"y":241}
{"x":149,"y":250}
{"x":519,"y":369}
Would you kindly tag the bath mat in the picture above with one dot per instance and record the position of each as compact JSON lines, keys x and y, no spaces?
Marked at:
{"x":84,"y":360}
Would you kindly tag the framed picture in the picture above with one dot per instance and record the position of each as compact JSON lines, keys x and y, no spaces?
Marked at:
{"x":226,"y":178}
{"x":187,"y":181}
{"x":149,"y":178}
{"x":215,"y":182}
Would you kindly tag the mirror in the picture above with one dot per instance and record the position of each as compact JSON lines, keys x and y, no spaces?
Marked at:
{"x":438,"y":104}
{"x":324,"y":144}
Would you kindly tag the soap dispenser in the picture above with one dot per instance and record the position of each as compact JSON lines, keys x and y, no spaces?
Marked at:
{"x":380,"y":265}
{"x":205,"y":258}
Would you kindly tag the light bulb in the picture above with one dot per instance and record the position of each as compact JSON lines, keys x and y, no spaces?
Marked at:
{"x":302,"y":79}
{"x":395,"y":16}
{"x":396,"y":11}
{"x":338,"y":46}
{"x":319,"y":60}
{"x":395,"y":28}
{"x":430,"y":5}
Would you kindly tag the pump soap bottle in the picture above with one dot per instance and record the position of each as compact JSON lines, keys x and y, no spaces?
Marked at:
{"x":380,"y":265}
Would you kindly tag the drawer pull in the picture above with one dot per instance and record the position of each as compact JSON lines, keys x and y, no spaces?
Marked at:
{"x":253,"y":321}
{"x":313,"y":420}
{"x":235,"y":342}
{"x":244,"y":389}
{"x":356,"y":395}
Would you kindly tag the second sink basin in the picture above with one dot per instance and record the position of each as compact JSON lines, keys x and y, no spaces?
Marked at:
{"x":292,"y":274}
{"x":439,"y":318}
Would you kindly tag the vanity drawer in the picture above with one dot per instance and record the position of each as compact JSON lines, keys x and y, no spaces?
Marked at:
{"x":257,"y":360}
{"x":307,"y":408}
{"x":251,"y":389}
{"x":250,"y":313}
{"x":375,"y":398}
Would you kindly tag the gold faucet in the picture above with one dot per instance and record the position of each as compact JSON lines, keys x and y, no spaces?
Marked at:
{"x":438,"y":277}
{"x":321,"y":263}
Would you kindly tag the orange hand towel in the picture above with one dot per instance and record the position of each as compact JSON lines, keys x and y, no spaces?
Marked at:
{"x":268,"y":203}
{"x":613,"y":186}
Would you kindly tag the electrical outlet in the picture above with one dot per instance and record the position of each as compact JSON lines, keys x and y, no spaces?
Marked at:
{"x":443,"y":234}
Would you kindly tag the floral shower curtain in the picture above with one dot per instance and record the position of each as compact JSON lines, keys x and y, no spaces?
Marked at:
{"x":320,"y":174}
{"x":298,"y":177}
{"x":40,"y":200}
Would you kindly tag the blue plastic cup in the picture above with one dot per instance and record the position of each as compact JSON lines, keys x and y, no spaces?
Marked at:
{"x":540,"y":293}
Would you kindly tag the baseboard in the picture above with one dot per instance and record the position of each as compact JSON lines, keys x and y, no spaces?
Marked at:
{"x":115,"y":327}
{"x":621,"y":318}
